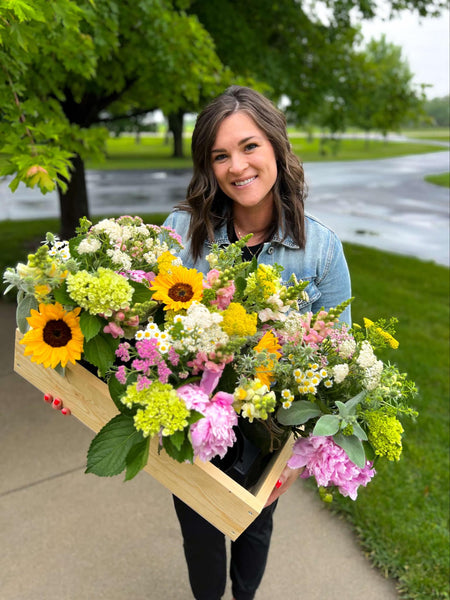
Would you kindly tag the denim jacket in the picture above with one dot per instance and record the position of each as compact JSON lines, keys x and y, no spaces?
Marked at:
{"x":321,"y":262}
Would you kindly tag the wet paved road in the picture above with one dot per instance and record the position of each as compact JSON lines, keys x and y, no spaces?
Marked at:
{"x":384,"y":203}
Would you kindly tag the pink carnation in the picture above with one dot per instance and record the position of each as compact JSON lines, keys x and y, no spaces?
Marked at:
{"x":329,"y":464}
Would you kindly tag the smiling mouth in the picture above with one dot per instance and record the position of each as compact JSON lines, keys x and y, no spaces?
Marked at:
{"x":244,"y":182}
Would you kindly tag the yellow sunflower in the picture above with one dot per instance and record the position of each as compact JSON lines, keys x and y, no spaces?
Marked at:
{"x":55,"y":336}
{"x":178,"y":288}
{"x":268,"y":342}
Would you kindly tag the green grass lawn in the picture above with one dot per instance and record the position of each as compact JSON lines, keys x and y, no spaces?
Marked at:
{"x":440,"y":134}
{"x":443,"y":179}
{"x":401,"y":518}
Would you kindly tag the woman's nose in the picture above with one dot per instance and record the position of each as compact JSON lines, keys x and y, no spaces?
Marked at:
{"x":238,"y":164}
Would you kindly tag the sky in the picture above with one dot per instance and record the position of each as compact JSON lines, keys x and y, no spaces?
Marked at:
{"x":425,"y":45}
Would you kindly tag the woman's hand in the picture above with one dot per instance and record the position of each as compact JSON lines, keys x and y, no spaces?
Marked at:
{"x":57,"y":404}
{"x":287,"y":478}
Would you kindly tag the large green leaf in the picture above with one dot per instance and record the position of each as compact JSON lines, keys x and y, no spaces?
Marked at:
{"x":353,"y":447}
{"x":182,"y":454}
{"x":137,"y":458}
{"x":327,"y":425}
{"x":116,"y":391}
{"x":298,"y":413}
{"x":141,"y":292}
{"x":100,"y":351}
{"x":23,"y":311}
{"x":61,"y":295}
{"x":107,"y":454}
{"x":90,"y":325}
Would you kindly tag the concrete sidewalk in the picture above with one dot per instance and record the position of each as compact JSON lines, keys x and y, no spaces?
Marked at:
{"x":70,"y":536}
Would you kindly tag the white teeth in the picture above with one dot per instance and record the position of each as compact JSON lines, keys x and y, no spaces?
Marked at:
{"x":239,"y":183}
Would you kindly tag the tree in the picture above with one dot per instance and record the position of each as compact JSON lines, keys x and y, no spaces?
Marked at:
{"x":439,"y":111}
{"x":68,"y":62}
{"x":383,"y":96}
{"x":288,"y":46}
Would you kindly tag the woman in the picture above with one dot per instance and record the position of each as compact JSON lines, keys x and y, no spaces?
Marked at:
{"x":246,"y":180}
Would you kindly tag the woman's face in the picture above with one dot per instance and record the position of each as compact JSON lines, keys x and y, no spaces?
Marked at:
{"x":243,"y":161}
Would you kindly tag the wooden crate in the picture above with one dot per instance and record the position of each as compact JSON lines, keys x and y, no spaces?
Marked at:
{"x":204,"y":487}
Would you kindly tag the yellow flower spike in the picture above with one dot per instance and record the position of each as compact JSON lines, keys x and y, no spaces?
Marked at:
{"x":367,"y":323}
{"x":55,"y":336}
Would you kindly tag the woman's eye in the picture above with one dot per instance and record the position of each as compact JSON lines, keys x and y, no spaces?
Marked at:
{"x":251,"y":146}
{"x":219,"y":157}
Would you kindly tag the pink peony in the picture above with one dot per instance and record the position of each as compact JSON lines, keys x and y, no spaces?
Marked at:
{"x":329,"y":464}
{"x":213,"y":434}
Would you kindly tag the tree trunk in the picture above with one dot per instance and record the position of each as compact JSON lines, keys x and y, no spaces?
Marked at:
{"x":176,"y":127}
{"x":73,"y":203}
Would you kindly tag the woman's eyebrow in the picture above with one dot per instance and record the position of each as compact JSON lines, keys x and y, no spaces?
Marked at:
{"x":243,"y":141}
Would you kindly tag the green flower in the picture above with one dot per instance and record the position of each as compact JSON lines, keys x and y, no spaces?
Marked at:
{"x":100,"y":293}
{"x":161,"y":409}
{"x":385,"y":434}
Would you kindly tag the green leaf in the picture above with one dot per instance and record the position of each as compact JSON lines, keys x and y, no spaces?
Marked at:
{"x":177,"y":439}
{"x":353,"y":447}
{"x":24,"y":310}
{"x":100,"y":351}
{"x":327,"y":425}
{"x":298,"y":413}
{"x":116,"y":391}
{"x":90,"y":325}
{"x":137,"y":458}
{"x":61,"y":295}
{"x":353,"y":402}
{"x":359,"y":432}
{"x":109,"y":449}
{"x":183,"y":454}
{"x":141,"y":292}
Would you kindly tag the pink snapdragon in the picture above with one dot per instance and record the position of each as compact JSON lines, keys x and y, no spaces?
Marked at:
{"x":224,"y":295}
{"x":329,"y":464}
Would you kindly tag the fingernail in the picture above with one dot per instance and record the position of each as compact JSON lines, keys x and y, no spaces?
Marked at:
{"x":278,"y":484}
{"x":48,"y":398}
{"x":66,"y":411}
{"x":57,"y":403}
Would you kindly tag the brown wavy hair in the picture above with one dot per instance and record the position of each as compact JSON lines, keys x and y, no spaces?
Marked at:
{"x":208,"y":206}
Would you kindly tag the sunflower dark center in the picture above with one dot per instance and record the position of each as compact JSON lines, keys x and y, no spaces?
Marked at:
{"x":57,"y":333}
{"x":181,"y":292}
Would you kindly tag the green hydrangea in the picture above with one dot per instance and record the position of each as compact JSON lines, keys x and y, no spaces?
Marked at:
{"x":100,"y":293}
{"x":385,"y":434}
{"x":161,"y":409}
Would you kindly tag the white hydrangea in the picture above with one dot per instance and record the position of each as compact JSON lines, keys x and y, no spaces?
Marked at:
{"x":202,"y":330}
{"x":347,"y":348}
{"x":340,"y":372}
{"x":372,"y":375}
{"x":120,"y":259}
{"x":112,"y":229}
{"x":89,"y":245}
{"x":366,"y":356}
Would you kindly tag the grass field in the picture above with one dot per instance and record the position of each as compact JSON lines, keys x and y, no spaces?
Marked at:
{"x":443,"y":179}
{"x":401,"y":518}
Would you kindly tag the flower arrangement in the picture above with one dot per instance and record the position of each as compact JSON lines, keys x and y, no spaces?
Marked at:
{"x":192,"y":359}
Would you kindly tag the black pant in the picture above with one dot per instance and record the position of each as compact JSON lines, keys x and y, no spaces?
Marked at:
{"x":205,"y":551}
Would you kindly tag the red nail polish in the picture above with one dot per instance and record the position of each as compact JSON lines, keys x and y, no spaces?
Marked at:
{"x":48,"y":398}
{"x":66,"y":411}
{"x":57,"y":403}
{"x":278,"y":484}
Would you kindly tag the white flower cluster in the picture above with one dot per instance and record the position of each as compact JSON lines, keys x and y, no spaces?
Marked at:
{"x":201,"y":330}
{"x":373,"y":367}
{"x":293,"y":324}
{"x":347,"y":348}
{"x":340,"y":372}
{"x":89,"y":245}
{"x":120,"y":259}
